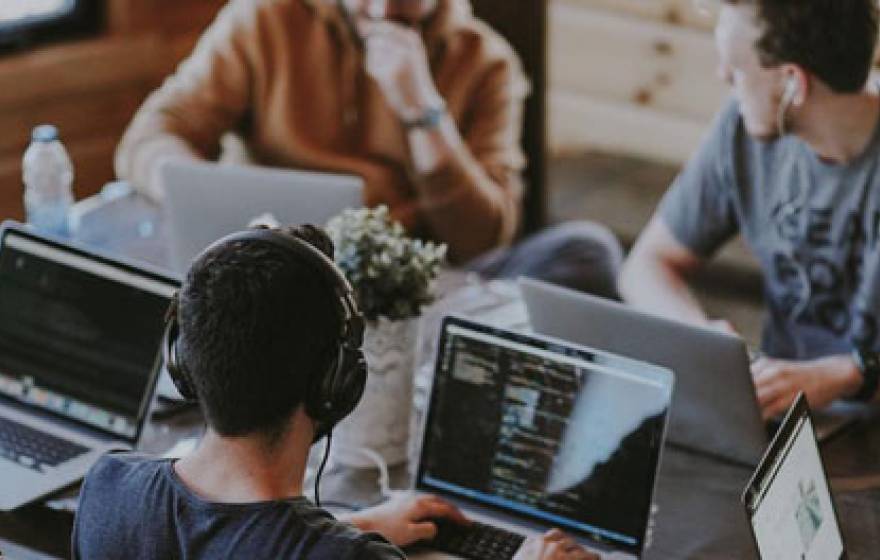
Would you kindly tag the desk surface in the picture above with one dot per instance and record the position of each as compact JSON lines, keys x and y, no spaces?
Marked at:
{"x":698,"y":509}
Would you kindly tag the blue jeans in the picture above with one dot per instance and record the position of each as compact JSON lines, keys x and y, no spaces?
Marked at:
{"x":583,"y":256}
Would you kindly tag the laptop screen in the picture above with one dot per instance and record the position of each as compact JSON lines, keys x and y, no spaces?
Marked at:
{"x":79,"y":335}
{"x":544,"y":430}
{"x":788,"y":501}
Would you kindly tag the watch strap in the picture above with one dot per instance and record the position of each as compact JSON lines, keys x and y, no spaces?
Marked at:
{"x":430,"y":118}
{"x":868,"y":363}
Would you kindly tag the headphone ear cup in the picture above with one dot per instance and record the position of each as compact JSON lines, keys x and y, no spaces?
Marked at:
{"x":351,"y":385}
{"x":176,"y":368}
{"x":336,"y":395}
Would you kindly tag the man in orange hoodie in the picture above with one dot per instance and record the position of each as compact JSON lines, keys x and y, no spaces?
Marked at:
{"x":418,"y":97}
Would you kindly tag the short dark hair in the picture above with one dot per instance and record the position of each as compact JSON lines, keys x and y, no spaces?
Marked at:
{"x":833,"y":39}
{"x":257,"y":323}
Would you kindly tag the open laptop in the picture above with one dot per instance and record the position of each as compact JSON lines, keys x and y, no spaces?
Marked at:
{"x":205,"y":201}
{"x":714,"y":409}
{"x":79,"y":335}
{"x":528,"y":433}
{"x":788,"y":501}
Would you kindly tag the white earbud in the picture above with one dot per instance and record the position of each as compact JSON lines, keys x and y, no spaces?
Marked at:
{"x":792,"y":88}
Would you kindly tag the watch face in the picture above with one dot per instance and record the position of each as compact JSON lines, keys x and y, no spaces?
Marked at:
{"x":429,"y":119}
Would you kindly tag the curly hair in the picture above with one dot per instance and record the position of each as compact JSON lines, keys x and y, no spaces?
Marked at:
{"x":256,"y":325}
{"x":833,"y":39}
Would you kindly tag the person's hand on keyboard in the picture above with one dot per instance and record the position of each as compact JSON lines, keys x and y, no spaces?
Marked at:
{"x":407,"y":519}
{"x":553,"y":545}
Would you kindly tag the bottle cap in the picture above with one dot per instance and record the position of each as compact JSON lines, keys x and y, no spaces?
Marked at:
{"x":45,"y":133}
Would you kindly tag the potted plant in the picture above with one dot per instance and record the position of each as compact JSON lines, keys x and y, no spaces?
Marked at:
{"x":392,"y":275}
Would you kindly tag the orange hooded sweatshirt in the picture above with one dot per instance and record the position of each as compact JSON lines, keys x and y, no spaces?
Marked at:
{"x":287,"y":77}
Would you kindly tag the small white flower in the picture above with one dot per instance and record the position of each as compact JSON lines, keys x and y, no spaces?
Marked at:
{"x":391,"y":272}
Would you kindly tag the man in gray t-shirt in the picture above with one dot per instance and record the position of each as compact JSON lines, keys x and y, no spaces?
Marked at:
{"x":792,"y":164}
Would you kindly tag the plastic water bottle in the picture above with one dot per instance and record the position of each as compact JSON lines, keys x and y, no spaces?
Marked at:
{"x":48,"y":177}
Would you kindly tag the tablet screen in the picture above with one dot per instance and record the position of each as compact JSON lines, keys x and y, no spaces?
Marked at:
{"x":792,"y":513}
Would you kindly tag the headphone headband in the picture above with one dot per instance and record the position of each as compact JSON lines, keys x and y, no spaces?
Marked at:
{"x":351,"y":319}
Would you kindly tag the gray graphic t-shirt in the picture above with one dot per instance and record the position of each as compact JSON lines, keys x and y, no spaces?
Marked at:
{"x":812,"y":225}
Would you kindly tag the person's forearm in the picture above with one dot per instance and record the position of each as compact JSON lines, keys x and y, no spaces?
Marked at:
{"x":433,"y":147}
{"x":463,"y":205}
{"x":851,"y":378}
{"x":358,"y":521}
{"x":651,"y":286}
{"x":138,"y":161}
{"x":205,"y":98}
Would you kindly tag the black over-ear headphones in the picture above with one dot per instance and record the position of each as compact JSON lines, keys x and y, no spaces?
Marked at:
{"x":330,"y":397}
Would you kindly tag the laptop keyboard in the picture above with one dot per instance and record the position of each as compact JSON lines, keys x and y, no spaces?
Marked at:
{"x":476,"y":541}
{"x":34,"y":449}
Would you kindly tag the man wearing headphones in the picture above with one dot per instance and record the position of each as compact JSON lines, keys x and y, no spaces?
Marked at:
{"x":265,"y":334}
{"x":793,"y":164}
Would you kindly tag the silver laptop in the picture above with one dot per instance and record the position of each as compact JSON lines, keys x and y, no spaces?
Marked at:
{"x":528,"y":433}
{"x":205,"y":201}
{"x":788,"y":501}
{"x":714,"y":409}
{"x":79,"y":335}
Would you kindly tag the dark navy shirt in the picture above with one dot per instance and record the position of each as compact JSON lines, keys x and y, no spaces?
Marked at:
{"x":136,"y":508}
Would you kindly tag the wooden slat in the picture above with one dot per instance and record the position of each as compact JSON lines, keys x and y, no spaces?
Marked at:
{"x":81,"y":67}
{"x":688,"y":13}
{"x":76,"y":116}
{"x":579,"y":123}
{"x":627,"y":60}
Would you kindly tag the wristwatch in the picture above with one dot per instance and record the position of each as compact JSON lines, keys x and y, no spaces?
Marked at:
{"x":429,"y":118}
{"x":868,"y":363}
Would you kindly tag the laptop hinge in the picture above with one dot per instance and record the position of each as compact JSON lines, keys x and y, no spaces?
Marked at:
{"x":67,"y":423}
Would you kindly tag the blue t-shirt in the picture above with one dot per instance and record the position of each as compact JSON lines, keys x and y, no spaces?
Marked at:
{"x":136,"y":508}
{"x":814,"y":227}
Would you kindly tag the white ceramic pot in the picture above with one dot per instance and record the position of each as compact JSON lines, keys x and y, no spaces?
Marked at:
{"x":380,"y":425}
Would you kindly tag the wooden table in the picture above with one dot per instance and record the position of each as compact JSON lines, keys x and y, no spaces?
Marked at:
{"x":698,"y":512}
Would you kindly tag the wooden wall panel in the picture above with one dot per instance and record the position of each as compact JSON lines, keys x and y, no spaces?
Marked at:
{"x":617,"y":65}
{"x":614,"y":57}
{"x":579,"y":124}
{"x":79,"y":69}
{"x":74,"y":116}
{"x":630,"y":76}
{"x":698,"y":14}
{"x":91,"y":88}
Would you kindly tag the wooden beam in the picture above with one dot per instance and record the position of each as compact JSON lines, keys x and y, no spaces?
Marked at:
{"x":524,"y":24}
